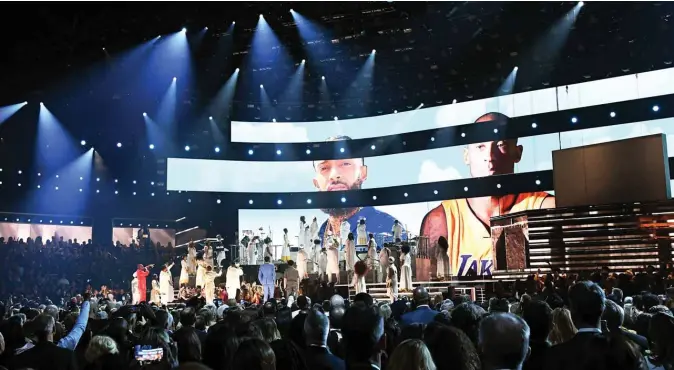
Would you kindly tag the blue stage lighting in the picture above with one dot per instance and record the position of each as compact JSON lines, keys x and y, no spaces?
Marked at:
{"x":116,"y":192}
{"x":308,"y":151}
{"x":303,"y":61}
{"x":278,"y":152}
{"x":150,"y":194}
{"x":574,"y":120}
{"x":184,"y":30}
{"x":81,"y":178}
{"x":57,"y":176}
{"x":236,"y":70}
{"x":279,"y":202}
{"x":38,"y":186}
{"x":218,"y":201}
{"x":374,"y":197}
{"x":116,"y":181}
{"x":19,"y":184}
{"x":538,"y":182}
{"x":175,"y":79}
{"x":612,"y":114}
{"x":435,"y":192}
{"x":534,"y":125}
{"x":250,"y":201}
{"x":655,"y":108}
{"x":465,"y":188}
{"x":210,"y":117}
{"x":405,"y":195}
{"x":336,"y":118}
{"x":152,"y":183}
{"x":341,"y":150}
{"x":56,"y":188}
{"x":151,"y":146}
{"x":373,"y":147}
{"x":80,"y":190}
{"x":343,"y":199}
{"x":144,"y":114}
{"x":41,"y":104}
{"x":134,"y":182}
{"x":432,"y":138}
{"x":98,"y":179}
{"x":496,"y":131}
{"x":308,"y":201}
{"x":20,"y":172}
{"x":119,"y":145}
{"x":83,"y":143}
{"x":217,"y":149}
{"x":273,"y":119}
{"x":463,"y":134}
{"x":97,"y":191}
{"x":395,"y":111}
{"x":134,"y":193}
{"x":250,"y":151}
{"x":322,"y":77}
{"x":516,"y":68}
{"x":187,"y":148}
{"x":374,"y":51}
{"x":498,"y":186}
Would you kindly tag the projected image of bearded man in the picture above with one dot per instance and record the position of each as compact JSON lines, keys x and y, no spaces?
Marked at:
{"x":344,"y":175}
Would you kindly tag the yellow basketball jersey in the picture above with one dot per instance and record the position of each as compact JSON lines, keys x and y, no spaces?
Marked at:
{"x":470,"y":245}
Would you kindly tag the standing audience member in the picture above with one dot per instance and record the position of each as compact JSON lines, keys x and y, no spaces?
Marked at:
{"x":562,"y":328}
{"x":661,"y":333}
{"x":411,"y":354}
{"x":317,"y":354}
{"x":45,"y":355}
{"x":538,"y":315}
{"x":503,"y":341}
{"x":254,"y":354}
{"x":467,"y":316}
{"x":451,"y":348}
{"x":422,"y":313}
{"x":363,"y":338}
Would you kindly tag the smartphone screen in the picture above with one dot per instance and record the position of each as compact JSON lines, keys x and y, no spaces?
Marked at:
{"x":146,"y":354}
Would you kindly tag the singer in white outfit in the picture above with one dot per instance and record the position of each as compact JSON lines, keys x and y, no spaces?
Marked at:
{"x":373,"y":261}
{"x":302,"y":260}
{"x":344,"y":231}
{"x":361,"y":233}
{"x":322,"y":264}
{"x":155,"y":293}
{"x":384,"y":255}
{"x":200,"y":273}
{"x":285,"y":253}
{"x":333,"y":261}
{"x":397,"y":231}
{"x":135,"y":292}
{"x":268,"y":249}
{"x":165,"y":284}
{"x":392,"y":280}
{"x":243,"y":250}
{"x":191,"y":258}
{"x":313,"y":229}
{"x":209,"y":284}
{"x":406,"y":269}
{"x":301,"y":235}
{"x":184,"y":275}
{"x":222,"y":255}
{"x":208,"y":255}
{"x":252,"y":252}
{"x":233,"y":282}
{"x":350,"y":252}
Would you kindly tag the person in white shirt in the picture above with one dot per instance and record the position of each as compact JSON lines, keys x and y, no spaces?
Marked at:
{"x":322,"y":264}
{"x":392,"y":280}
{"x":373,"y":261}
{"x":397,"y":231}
{"x":344,"y":231}
{"x":313,"y":229}
{"x":302,"y":234}
{"x":184,"y":275}
{"x":209,"y":284}
{"x":165,"y":284}
{"x":285,"y":253}
{"x":384,"y":255}
{"x":155,"y":293}
{"x":350,"y":252}
{"x":208,"y":255}
{"x":233,"y":282}
{"x":191,"y":258}
{"x":135,"y":293}
{"x":201,"y":268}
{"x":406,"y":269}
{"x":361,"y":233}
{"x":252,"y":251}
{"x":333,"y":261}
{"x":302,"y":260}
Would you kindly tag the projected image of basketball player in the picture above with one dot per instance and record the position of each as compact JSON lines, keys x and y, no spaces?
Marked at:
{"x":343,"y":175}
{"x":465,"y":222}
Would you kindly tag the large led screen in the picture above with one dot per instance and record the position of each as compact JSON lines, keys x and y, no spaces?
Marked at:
{"x":127,"y":234}
{"x":584,"y":94}
{"x":55,"y":232}
{"x":464,"y":222}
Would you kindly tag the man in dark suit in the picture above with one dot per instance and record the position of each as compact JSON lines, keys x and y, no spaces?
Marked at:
{"x":317,"y":354}
{"x":45,"y":355}
{"x":590,"y":348}
{"x":538,"y":316}
{"x":422,"y":314}
{"x":363,"y":337}
{"x":503,"y":341}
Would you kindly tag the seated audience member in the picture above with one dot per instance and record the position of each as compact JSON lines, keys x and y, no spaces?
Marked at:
{"x":411,"y":354}
{"x":363,"y":337}
{"x":538,"y":316}
{"x":590,"y":348}
{"x":504,"y":341}
{"x":422,"y":313}
{"x":451,"y":348}
{"x":317,"y":354}
{"x":467,"y":316}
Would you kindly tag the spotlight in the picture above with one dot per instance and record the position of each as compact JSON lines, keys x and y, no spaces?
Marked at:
{"x":343,"y":199}
{"x":261,"y":86}
{"x":465,"y":188}
{"x":374,"y":51}
{"x":250,"y":201}
{"x":278,"y":152}
{"x":97,"y":191}
{"x":612,"y":114}
{"x":236,"y":70}
{"x":291,"y":10}
{"x":463,"y":134}
{"x":116,"y":192}
{"x":308,"y":201}
{"x":184,"y":30}
{"x":308,"y":151}
{"x":273,"y":119}
{"x":38,"y":186}
{"x":210,"y":117}
{"x":496,"y":131}
{"x":81,"y":222}
{"x":134,"y":193}
{"x":538,"y":182}
{"x":515,"y":68}
{"x":534,"y":125}
{"x":41,"y":104}
{"x":580,"y":3}
{"x":454,"y":101}
{"x":152,"y":183}
{"x":144,"y":114}
{"x":150,"y":194}
{"x":134,"y":182}
{"x":217,"y":149}
{"x":81,"y":178}
{"x":574,"y":120}
{"x":341,"y":150}
{"x":218,"y":201}
{"x":435,"y":192}
{"x":80,"y":190}
{"x":279,"y":202}
{"x":250,"y":151}
{"x":119,"y":145}
{"x":303,"y":61}
{"x":39,"y":174}
{"x":20,"y":172}
{"x":323,"y":78}
{"x":336,"y":118}
{"x":19,"y":184}
{"x":374,"y":197}
{"x":187,"y":148}
{"x":405,"y":195}
{"x":395,"y":111}
{"x":498,"y":186}
{"x":373,"y":147}
{"x":83,"y":143}
{"x":116,"y":181}
{"x":261,"y":16}
{"x":655,"y":108}
{"x":57,"y":176}
{"x":98,"y":179}
{"x":151,"y":146}
{"x":233,"y":22}
{"x":432,"y":138}
{"x":56,"y":188}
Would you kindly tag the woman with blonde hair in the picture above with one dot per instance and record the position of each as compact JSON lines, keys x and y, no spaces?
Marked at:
{"x":411,"y":354}
{"x":102,"y":353}
{"x":562,"y":326}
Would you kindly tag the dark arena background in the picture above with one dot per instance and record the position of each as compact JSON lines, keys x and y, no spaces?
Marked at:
{"x":127,"y":124}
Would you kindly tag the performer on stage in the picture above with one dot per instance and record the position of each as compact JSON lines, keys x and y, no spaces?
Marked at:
{"x":267,"y":277}
{"x":208,"y":255}
{"x":313,"y":229}
{"x":345,"y":230}
{"x":358,"y":282}
{"x":243,"y":250}
{"x":310,"y":248}
{"x":285,"y":254}
{"x":333,"y":261}
{"x":302,"y":235}
{"x":233,"y":282}
{"x":361,"y":233}
{"x":392,"y":280}
{"x":405,"y":269}
{"x":373,"y":260}
{"x":259,"y":248}
{"x":201,"y":268}
{"x":142,"y":274}
{"x":191,"y":258}
{"x":350,"y":252}
{"x":135,"y":293}
{"x":209,"y":284}
{"x":184,"y":275}
{"x":166,"y":284}
{"x":302,"y":260}
{"x":291,"y":280}
{"x":155,"y":293}
{"x":323,"y":265}
{"x":397,"y":231}
{"x":442,"y":258}
{"x":252,"y":251}
{"x":384,"y":256}
{"x":222,"y":255}
{"x":268,"y":251}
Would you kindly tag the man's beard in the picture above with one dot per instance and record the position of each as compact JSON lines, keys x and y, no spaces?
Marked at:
{"x":343,"y":212}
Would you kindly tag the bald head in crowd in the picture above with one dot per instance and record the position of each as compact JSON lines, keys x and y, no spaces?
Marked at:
{"x":503,"y":341}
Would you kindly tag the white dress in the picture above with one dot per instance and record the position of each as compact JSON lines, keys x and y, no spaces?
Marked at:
{"x":358,"y":284}
{"x":344,"y":230}
{"x":208,"y":256}
{"x":191,"y":259}
{"x":251,"y":253}
{"x":406,"y":272}
{"x":184,"y":276}
{"x":285,"y":253}
{"x":135,"y":293}
{"x":442,"y":266}
{"x":209,"y":285}
{"x":165,"y":286}
{"x":313,"y":230}
{"x":322,"y":263}
{"x":301,"y":235}
{"x":397,"y":231}
{"x":392,"y":282}
{"x":350,"y":251}
{"x":243,"y":254}
{"x":155,"y":293}
{"x":233,"y":281}
{"x":333,"y":261}
{"x":302,"y":263}
{"x":200,"y":274}
{"x":361,"y":235}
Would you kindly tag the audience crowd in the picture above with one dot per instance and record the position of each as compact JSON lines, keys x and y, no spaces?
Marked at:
{"x":598,"y":321}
